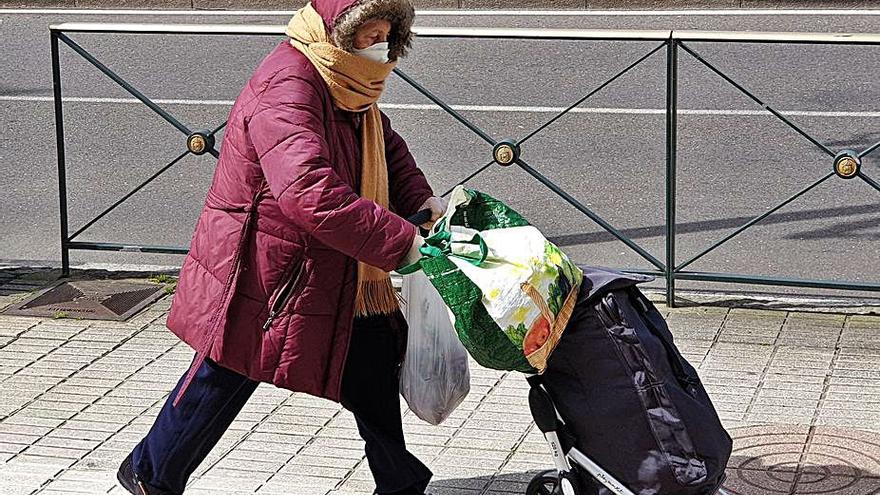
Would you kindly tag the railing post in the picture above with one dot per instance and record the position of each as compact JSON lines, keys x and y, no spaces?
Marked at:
{"x":671,"y":136}
{"x":59,"y":145}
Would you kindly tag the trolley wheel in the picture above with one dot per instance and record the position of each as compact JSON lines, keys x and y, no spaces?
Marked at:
{"x":553,"y":482}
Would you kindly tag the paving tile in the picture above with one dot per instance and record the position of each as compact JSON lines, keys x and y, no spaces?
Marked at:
{"x":284,"y":489}
{"x":85,"y":482}
{"x":475,"y":484}
{"x":291,"y":480}
{"x":336,"y":473}
{"x":506,"y":486}
{"x":325,"y":451}
{"x":751,"y":335}
{"x":849,"y":448}
{"x":54,"y":465}
{"x":757,"y":482}
{"x":71,"y":452}
{"x":847,"y":413}
{"x":521,"y":477}
{"x":453,"y":472}
{"x":69,"y":409}
{"x":726,"y":377}
{"x":23,"y":419}
{"x":11,"y":448}
{"x":836,"y":484}
{"x":813,"y":320}
{"x":865,"y":423}
{"x":474,"y":462}
{"x":214,"y":484}
{"x":801,"y":381}
{"x":695,"y":328}
{"x":862,"y":321}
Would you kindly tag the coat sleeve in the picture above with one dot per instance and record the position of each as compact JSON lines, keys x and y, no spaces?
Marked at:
{"x":287,"y":133}
{"x":407,"y":186}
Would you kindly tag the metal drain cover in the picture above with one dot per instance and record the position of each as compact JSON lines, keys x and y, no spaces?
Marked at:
{"x":90,"y":299}
{"x":783,"y":460}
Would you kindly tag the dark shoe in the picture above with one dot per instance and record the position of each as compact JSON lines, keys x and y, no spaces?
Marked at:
{"x":128,"y":479}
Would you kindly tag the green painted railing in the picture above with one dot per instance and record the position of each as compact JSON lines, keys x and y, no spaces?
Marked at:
{"x":843,"y":164}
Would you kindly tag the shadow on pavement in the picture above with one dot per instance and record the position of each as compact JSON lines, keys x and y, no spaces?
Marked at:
{"x":767,"y":460}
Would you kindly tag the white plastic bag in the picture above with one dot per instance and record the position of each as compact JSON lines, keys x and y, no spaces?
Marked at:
{"x":435,"y":377}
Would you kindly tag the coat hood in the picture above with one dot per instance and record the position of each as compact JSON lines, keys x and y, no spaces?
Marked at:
{"x":343,"y":17}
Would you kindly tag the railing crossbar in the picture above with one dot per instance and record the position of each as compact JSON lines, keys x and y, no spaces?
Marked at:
{"x":128,"y":195}
{"x":754,"y":221}
{"x":451,"y":111}
{"x":869,"y":150}
{"x":127,"y":248}
{"x":124,"y":84}
{"x":586,"y":211}
{"x":871,"y":182}
{"x":756,"y":99}
{"x":142,"y":185}
{"x":778,"y":281}
{"x":468,"y":178}
{"x":591,"y":93}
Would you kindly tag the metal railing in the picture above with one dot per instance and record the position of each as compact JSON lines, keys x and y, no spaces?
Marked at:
{"x":845,"y":164}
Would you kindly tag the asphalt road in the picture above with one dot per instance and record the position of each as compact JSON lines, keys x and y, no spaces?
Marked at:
{"x":734,"y":161}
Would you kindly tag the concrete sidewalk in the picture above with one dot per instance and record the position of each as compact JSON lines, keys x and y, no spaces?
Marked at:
{"x":800,"y":393}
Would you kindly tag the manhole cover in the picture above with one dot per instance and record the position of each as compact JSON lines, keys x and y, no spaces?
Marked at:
{"x":770,"y":460}
{"x":90,"y":299}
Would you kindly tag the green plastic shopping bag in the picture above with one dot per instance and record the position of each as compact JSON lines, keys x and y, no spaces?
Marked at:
{"x":509,"y":290}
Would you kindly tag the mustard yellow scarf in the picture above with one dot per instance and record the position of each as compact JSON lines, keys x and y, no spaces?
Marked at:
{"x":355,"y":85}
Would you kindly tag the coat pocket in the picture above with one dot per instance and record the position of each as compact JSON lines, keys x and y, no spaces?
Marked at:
{"x":277,"y":322}
{"x":627,"y":331}
{"x":289,"y":286}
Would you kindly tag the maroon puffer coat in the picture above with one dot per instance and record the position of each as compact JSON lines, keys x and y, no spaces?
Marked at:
{"x":283,"y":228}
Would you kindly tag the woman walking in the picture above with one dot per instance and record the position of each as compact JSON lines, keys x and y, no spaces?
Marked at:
{"x":287,"y":278}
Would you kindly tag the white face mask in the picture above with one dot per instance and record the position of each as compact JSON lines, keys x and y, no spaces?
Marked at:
{"x":376,"y":53}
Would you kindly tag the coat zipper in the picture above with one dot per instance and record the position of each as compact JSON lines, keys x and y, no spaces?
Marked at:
{"x":283,"y":296}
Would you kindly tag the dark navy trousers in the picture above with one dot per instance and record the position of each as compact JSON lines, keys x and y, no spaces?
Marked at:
{"x":182,"y":436}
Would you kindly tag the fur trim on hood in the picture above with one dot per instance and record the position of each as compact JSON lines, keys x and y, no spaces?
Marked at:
{"x":399,"y":13}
